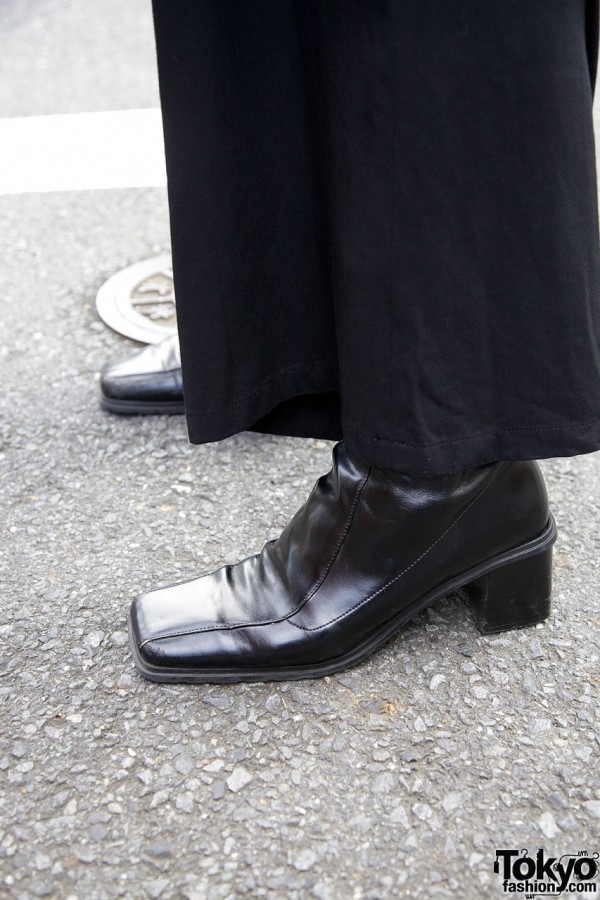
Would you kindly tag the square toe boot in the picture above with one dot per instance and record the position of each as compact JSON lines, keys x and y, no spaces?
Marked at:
{"x":148,"y":382}
{"x":368,"y":550}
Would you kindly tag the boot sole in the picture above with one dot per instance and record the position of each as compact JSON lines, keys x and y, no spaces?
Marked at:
{"x":142,"y":407}
{"x":535,"y":612}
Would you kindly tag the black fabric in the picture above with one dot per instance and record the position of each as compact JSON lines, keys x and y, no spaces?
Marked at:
{"x":385,"y":225}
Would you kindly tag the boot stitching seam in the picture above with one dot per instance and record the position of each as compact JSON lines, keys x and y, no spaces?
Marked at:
{"x":311,"y":591}
{"x":404,"y":571}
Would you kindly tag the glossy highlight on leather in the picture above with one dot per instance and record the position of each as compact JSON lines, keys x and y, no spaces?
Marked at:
{"x":367,"y":551}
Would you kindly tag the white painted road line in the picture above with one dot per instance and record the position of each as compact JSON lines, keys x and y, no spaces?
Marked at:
{"x":82,"y":151}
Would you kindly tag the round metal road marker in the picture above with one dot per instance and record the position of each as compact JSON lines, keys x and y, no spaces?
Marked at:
{"x":139,"y":301}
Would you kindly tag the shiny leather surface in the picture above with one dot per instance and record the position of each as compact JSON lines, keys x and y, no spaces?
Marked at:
{"x":152,"y":374}
{"x":365,"y":545}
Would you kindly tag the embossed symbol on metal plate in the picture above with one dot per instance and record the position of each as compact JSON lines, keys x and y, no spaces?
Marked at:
{"x":139,"y":301}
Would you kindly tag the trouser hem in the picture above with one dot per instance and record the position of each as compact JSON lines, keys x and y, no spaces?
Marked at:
{"x":456,"y":455}
{"x":314,"y":410}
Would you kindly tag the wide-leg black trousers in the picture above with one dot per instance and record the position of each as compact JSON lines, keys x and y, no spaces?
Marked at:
{"x":384,"y":223}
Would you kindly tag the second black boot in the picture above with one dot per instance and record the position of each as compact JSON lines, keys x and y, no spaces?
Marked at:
{"x":368,"y":550}
{"x":148,"y":382}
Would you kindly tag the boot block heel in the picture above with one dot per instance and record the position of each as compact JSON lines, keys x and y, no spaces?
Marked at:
{"x":514,"y":595}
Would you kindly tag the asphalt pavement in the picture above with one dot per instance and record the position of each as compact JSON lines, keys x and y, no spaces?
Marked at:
{"x":401,"y":777}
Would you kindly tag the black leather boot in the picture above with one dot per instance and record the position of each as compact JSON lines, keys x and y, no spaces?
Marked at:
{"x":147,"y":382}
{"x":368,"y":550}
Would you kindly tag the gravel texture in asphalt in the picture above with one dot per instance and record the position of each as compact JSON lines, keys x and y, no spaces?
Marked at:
{"x":400,"y":777}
